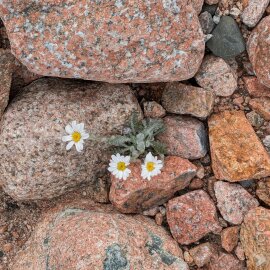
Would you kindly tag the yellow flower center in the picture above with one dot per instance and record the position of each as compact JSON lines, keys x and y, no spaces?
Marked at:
{"x":150,"y":166}
{"x":121,"y":166}
{"x":76,"y":136}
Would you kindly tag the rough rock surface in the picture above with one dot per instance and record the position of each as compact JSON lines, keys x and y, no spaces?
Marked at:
{"x":192,"y":216}
{"x":227,"y":41}
{"x":36,"y":163}
{"x":211,"y":2}
{"x":229,"y":238}
{"x":216,"y":75}
{"x":233,"y":201}
{"x":185,"y":137}
{"x":153,"y":110}
{"x":197,"y":5}
{"x":179,"y":98}
{"x":84,"y":236}
{"x":114,"y":41}
{"x":202,"y":253}
{"x":255,"y":238}
{"x":6,"y":69}
{"x":206,"y":22}
{"x":263,"y":190}
{"x":258,"y":51}
{"x":254,"y":12}
{"x":232,"y":140}
{"x":137,"y":194}
{"x":261,"y":106}
{"x":255,"y":88}
{"x":225,"y":261}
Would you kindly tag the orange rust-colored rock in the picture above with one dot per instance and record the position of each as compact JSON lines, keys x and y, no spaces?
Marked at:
{"x":229,"y":238}
{"x":137,"y":194}
{"x":114,"y":41}
{"x":255,"y":238}
{"x":81,"y":235}
{"x":263,"y":190}
{"x":261,"y":106}
{"x":255,"y":88}
{"x":236,"y":151}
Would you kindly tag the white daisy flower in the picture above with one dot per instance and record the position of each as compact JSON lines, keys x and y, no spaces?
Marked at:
{"x":76,"y":135}
{"x":151,"y":167}
{"x":119,"y":166}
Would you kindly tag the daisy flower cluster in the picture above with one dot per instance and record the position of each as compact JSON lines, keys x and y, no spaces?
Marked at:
{"x":119,"y":166}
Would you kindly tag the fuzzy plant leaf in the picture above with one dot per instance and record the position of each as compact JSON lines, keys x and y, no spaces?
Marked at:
{"x":141,"y":138}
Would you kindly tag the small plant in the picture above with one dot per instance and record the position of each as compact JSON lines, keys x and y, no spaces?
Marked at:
{"x":140,"y":138}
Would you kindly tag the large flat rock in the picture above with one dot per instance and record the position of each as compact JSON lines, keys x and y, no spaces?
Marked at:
{"x":112,"y":40}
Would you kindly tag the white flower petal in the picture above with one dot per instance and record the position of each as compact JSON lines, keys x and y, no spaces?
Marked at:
{"x":85,"y":136}
{"x":74,"y":125}
{"x":69,"y":129}
{"x":69,"y":145}
{"x":80,"y":127}
{"x":66,"y":138}
{"x":79,"y":146}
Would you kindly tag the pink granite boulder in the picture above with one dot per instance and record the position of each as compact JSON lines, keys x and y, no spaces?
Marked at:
{"x":114,"y":41}
{"x":192,"y":216}
{"x":84,"y":236}
{"x":137,"y":194}
{"x":37,"y":164}
{"x":258,"y":51}
{"x":185,"y":137}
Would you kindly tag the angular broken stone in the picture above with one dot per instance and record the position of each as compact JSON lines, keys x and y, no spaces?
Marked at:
{"x":229,"y":238}
{"x":153,"y":110}
{"x":192,"y":216}
{"x":255,"y":88}
{"x":261,"y":106}
{"x":255,"y":238}
{"x":179,"y":98}
{"x":263,"y":190}
{"x":236,"y":151}
{"x":216,"y":75}
{"x":37,"y":164}
{"x":185,"y":137}
{"x":258,"y":51}
{"x":80,"y":235}
{"x":136,"y":194}
{"x":233,"y":201}
{"x":115,"y":41}
{"x":225,"y":261}
{"x":254,"y":12}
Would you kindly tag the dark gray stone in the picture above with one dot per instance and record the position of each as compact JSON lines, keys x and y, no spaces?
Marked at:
{"x":227,"y":41}
{"x":210,"y":8}
{"x":206,"y":22}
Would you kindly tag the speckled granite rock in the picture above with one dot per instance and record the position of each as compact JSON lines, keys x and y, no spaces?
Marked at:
{"x":185,"y":137}
{"x":153,"y":109}
{"x":263,"y":190}
{"x":255,"y":238}
{"x":206,"y":22}
{"x":113,"y":41}
{"x":255,"y":88}
{"x":233,"y":201}
{"x":258,"y":51}
{"x":216,"y":75}
{"x":261,"y":106}
{"x":211,"y":2}
{"x":36,"y":163}
{"x":85,"y":236}
{"x":136,"y":194}
{"x":192,"y":216}
{"x":254,"y":12}
{"x":6,"y":69}
{"x":227,"y":41}
{"x":225,"y":261}
{"x":179,"y":98}
{"x":197,"y":4}
{"x":229,"y":238}
{"x":232,"y":140}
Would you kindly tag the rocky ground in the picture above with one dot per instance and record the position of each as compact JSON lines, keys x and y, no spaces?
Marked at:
{"x":215,"y":103}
